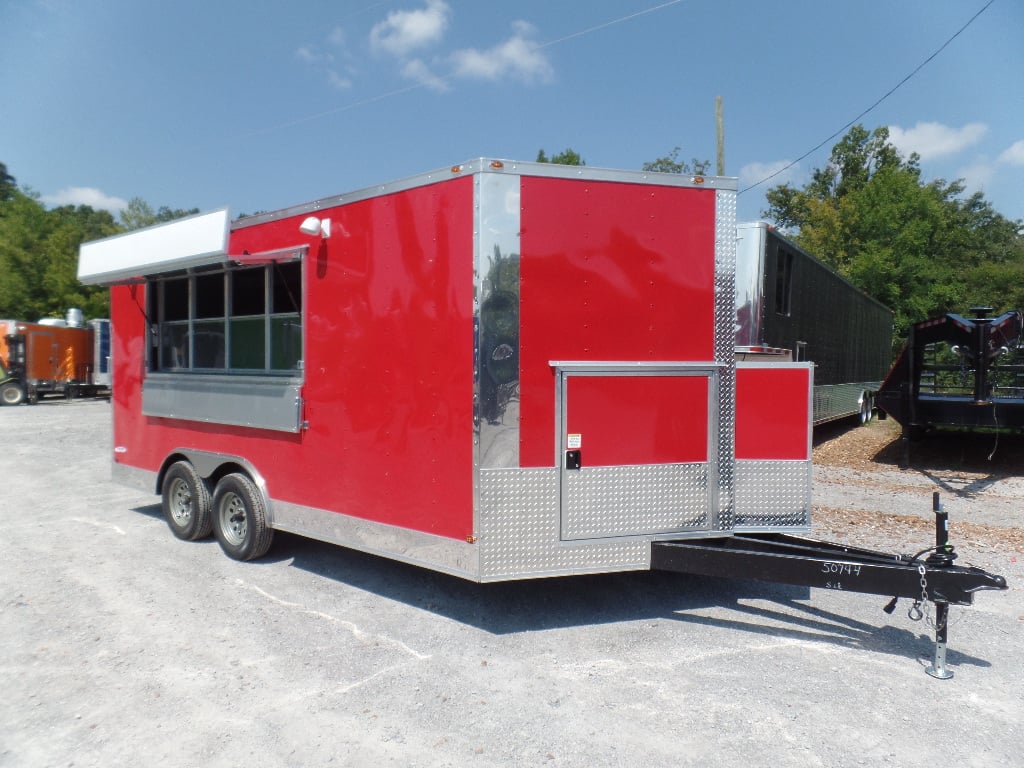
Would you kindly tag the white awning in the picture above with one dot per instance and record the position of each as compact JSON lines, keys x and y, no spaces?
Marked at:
{"x":190,"y":242}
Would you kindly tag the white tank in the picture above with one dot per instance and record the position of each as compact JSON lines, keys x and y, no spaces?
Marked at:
{"x":56,"y":322}
{"x":75,"y":318}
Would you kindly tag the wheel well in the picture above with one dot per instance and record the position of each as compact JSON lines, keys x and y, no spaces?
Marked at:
{"x":212,"y":468}
{"x":227,"y":468}
{"x":172,"y":459}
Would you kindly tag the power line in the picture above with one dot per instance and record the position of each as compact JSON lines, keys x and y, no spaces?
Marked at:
{"x":446,"y":78}
{"x":607,"y":24}
{"x":889,"y":93}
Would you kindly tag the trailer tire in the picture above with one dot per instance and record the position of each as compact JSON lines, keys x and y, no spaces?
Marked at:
{"x":185,"y":498}
{"x":867,"y":408}
{"x":12,"y":393}
{"x":240,"y":518}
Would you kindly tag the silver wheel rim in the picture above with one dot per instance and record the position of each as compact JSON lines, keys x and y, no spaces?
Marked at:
{"x":232,"y":519}
{"x":180,"y":502}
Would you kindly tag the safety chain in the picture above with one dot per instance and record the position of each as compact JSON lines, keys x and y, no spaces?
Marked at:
{"x":916,"y":612}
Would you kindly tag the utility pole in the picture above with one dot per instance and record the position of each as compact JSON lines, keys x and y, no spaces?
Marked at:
{"x":720,"y":136}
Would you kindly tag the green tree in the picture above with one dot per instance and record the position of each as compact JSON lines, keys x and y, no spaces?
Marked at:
{"x":24,"y":224}
{"x":7,"y":184}
{"x":565,"y":157}
{"x":39,"y":251}
{"x":138,"y":214}
{"x":39,"y":258}
{"x":921,"y":248}
{"x":671,"y":163}
{"x":61,"y":288}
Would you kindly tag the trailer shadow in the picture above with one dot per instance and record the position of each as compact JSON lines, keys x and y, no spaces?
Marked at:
{"x":963,"y":465}
{"x":155,"y":511}
{"x":799,"y":622}
{"x":992,"y":455}
{"x":777,"y":611}
{"x":771,"y":610}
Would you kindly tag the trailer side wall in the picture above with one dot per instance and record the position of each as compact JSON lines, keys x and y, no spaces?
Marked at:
{"x":388,"y":367}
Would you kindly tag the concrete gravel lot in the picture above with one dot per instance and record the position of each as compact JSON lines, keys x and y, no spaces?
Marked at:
{"x":123,"y":646}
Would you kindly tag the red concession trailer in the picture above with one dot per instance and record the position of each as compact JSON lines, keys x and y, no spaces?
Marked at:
{"x":498,"y":370}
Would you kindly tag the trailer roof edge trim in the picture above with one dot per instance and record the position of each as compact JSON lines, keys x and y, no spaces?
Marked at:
{"x":766,"y":227}
{"x":189,"y":242}
{"x":489,"y":165}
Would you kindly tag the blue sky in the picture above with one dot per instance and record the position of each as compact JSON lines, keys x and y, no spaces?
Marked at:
{"x":264,"y":105}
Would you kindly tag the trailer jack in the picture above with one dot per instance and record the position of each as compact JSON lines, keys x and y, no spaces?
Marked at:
{"x":786,"y":559}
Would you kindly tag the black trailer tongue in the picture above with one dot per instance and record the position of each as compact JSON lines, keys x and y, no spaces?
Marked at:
{"x":928,"y":576}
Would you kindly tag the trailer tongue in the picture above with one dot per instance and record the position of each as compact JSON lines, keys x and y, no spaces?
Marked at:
{"x":785,"y":559}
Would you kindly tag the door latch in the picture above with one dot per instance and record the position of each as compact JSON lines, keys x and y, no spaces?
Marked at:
{"x":573,"y":459}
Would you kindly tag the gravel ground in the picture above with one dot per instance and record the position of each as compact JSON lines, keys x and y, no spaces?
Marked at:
{"x":869,"y":490}
{"x":122,"y":646}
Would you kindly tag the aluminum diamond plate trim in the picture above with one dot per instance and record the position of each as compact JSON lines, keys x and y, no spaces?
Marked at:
{"x":602,"y":502}
{"x":518,"y":531}
{"x":773,"y":494}
{"x":725,"y":350}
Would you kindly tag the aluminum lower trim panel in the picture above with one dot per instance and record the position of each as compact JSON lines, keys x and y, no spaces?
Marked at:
{"x":520,"y":532}
{"x":133,"y":477}
{"x":603,"y":502}
{"x":458,"y":558}
{"x":773,"y":495}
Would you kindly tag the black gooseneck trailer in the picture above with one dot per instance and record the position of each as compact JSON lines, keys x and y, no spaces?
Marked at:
{"x":958,"y":372}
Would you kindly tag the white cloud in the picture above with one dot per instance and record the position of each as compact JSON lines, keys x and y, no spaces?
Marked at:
{"x":977,"y":175}
{"x":1014,"y":155}
{"x":86,"y":196}
{"x":931,"y":140}
{"x":337,"y":81}
{"x":323,"y":61}
{"x":307,"y":54}
{"x":337,"y":37}
{"x":518,"y":56}
{"x":752,"y":173}
{"x":403,"y":32}
{"x":419,"y":71}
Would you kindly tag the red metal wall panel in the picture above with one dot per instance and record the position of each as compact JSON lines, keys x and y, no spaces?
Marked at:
{"x":772,"y":413}
{"x":388,"y":360}
{"x":609,"y":272}
{"x":632,"y":420}
{"x":128,"y":336}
